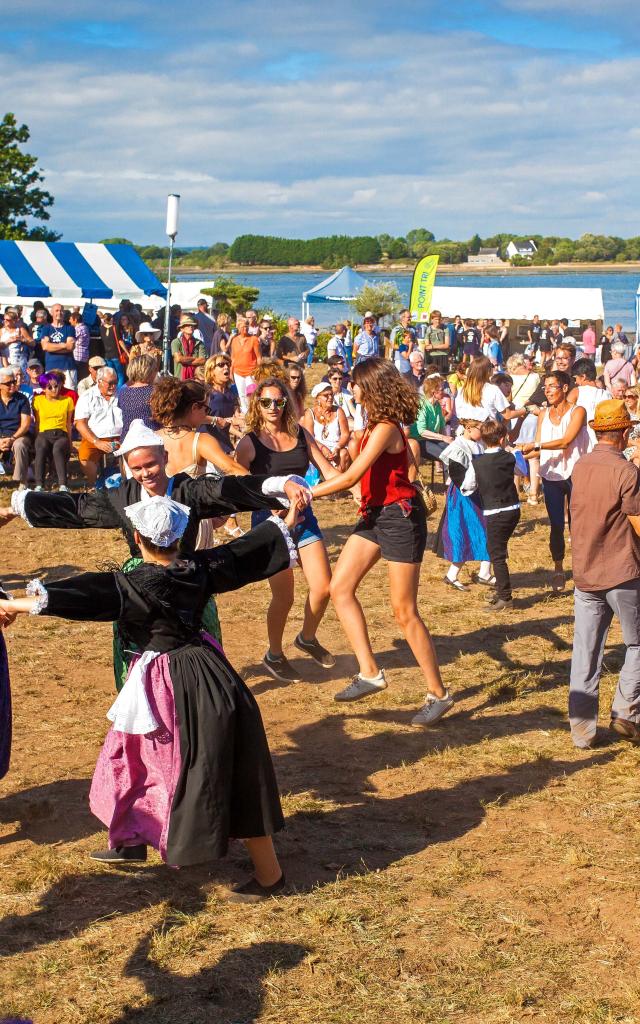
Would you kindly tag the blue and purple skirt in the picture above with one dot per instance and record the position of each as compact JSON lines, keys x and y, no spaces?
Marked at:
{"x":462,"y":536}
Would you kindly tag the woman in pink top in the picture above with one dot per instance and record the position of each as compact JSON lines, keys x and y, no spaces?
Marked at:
{"x":589,"y":341}
{"x":618,"y":368}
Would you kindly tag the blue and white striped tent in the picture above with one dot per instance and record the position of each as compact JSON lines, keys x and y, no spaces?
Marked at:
{"x":73,"y":271}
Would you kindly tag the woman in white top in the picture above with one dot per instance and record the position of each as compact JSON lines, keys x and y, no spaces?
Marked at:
{"x":525,"y":383}
{"x":329,"y":426}
{"x":561,"y":439}
{"x":477,"y":399}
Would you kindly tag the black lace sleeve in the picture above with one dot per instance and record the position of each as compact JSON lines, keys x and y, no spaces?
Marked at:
{"x":89,"y":597}
{"x":69,"y":511}
{"x":261,"y":553}
{"x":211,"y":496}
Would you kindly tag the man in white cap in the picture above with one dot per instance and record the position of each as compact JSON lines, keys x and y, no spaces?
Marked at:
{"x":94,"y":365}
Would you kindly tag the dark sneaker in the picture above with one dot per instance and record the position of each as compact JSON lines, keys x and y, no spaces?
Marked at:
{"x":121,"y":855}
{"x":628,"y":730}
{"x":280,"y":668}
{"x":253,"y":892}
{"x":315,"y":650}
{"x":499,"y":605}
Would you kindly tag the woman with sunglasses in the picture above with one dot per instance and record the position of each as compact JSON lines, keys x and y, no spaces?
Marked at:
{"x":561,"y":438}
{"x":277,"y":445}
{"x":53,"y":414}
{"x":393,"y":526}
{"x":182,"y":409}
{"x":297,"y":387}
{"x":631,"y":397}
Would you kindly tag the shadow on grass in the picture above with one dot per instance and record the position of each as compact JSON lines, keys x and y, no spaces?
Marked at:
{"x":18,"y":581}
{"x":230,"y":992}
{"x":53,"y":813}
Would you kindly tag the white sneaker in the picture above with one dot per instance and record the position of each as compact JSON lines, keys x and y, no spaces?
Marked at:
{"x":2,"y":469}
{"x":63,"y":489}
{"x":433,"y":710}
{"x":39,"y":488}
{"x":359,"y":688}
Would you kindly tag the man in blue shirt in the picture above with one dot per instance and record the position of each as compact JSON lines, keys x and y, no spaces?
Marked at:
{"x":57,"y":341}
{"x":15,"y":422}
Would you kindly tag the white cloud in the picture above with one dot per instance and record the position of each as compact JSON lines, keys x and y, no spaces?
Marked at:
{"x":484,"y":137}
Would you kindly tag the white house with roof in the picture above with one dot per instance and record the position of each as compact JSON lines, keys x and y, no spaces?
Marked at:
{"x":524,"y":249}
{"x":486,"y":257}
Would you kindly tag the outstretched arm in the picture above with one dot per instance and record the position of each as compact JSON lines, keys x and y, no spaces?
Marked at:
{"x":381,"y":436}
{"x":211,"y":496}
{"x":262,"y":552}
{"x":88,"y":597}
{"x":64,"y":511}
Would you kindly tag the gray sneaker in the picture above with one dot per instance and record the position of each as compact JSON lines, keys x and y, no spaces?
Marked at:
{"x":433,"y":710}
{"x":280,"y":668}
{"x":359,"y":688}
{"x":315,"y":650}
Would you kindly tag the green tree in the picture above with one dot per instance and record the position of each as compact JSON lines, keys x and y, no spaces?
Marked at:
{"x":382,"y":299}
{"x":118,"y":241}
{"x":417,"y":239}
{"x":20,"y":194}
{"x":474,"y":245}
{"x":231,"y":297}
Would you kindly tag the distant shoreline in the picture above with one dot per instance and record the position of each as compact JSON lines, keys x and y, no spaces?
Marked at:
{"x":473,"y":269}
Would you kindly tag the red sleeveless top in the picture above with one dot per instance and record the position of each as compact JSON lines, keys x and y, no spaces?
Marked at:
{"x":387,"y":479}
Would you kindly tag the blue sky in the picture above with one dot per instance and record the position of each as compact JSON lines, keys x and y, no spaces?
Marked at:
{"x":303,"y":118}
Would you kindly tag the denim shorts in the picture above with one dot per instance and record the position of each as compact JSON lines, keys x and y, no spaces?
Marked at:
{"x":306,"y":532}
{"x":399,"y":530}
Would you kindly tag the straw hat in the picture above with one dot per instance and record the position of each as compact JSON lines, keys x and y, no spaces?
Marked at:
{"x":146,"y":328}
{"x":186,"y":320}
{"x":611,"y":415}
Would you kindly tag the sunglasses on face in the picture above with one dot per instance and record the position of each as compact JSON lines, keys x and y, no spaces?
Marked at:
{"x":272,"y":403}
{"x":631,"y":395}
{"x":221,"y":366}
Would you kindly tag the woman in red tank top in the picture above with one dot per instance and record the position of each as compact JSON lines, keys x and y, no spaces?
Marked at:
{"x":392,"y":525}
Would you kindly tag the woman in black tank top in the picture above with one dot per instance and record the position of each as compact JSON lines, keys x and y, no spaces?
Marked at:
{"x":276,"y":445}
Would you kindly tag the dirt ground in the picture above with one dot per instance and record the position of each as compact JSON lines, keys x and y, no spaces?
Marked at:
{"x":481,"y":871}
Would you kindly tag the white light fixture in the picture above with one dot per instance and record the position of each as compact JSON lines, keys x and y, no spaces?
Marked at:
{"x":173,"y":209}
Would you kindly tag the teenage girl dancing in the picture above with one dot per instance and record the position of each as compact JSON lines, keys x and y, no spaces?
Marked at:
{"x":392,"y":525}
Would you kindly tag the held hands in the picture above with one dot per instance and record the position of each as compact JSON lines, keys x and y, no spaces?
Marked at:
{"x":298,"y":495}
{"x":7,"y":616}
{"x":292,"y":517}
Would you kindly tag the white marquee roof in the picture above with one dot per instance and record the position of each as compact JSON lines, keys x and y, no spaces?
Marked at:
{"x":519,"y":303}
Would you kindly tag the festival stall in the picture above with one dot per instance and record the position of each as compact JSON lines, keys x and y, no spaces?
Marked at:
{"x":75,"y":272}
{"x":343,"y":286}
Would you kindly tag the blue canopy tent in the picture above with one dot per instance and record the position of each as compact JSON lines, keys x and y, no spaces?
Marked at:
{"x":73,"y":271}
{"x":343,"y":286}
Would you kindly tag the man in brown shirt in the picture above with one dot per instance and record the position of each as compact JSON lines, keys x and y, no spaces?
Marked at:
{"x":605,"y":542}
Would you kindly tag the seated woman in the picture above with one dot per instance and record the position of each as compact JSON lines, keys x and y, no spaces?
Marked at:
{"x":53,"y":413}
{"x":328,"y":424}
{"x":427,"y":439}
{"x":297,"y":387}
{"x":186,"y":765}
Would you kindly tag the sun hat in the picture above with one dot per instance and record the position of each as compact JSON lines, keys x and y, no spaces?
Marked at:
{"x":186,"y":320}
{"x":611,"y":415}
{"x":160,"y":519}
{"x":317,"y":389}
{"x":146,"y":328}
{"x":96,"y":362}
{"x":139,"y":435}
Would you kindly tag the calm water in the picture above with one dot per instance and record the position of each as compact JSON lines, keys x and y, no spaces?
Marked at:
{"x":283,"y":292}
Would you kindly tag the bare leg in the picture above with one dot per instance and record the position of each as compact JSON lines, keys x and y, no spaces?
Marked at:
{"x":534,"y":477}
{"x":278,"y":611}
{"x":403,"y":591}
{"x":358,"y":556}
{"x":317,"y":572}
{"x":265,"y":862}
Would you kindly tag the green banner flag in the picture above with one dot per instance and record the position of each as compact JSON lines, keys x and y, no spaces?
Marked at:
{"x":422,"y":288}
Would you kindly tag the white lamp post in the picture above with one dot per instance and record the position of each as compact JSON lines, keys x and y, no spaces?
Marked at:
{"x":173,"y":207}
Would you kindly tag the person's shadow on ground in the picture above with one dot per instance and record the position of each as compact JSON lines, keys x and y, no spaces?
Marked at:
{"x":229,"y":993}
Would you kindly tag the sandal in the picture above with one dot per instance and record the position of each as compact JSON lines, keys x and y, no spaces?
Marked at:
{"x":456,"y":584}
{"x":235,"y":532}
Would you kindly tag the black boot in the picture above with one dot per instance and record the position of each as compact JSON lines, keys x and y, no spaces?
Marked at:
{"x":121,"y":854}
{"x":253,"y":892}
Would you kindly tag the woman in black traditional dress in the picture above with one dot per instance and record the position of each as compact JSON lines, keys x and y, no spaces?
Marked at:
{"x":186,"y":765}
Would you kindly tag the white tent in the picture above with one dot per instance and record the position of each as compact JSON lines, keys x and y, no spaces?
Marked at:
{"x":519,"y":303}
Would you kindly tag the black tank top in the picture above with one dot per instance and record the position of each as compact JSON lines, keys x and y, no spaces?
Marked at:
{"x":271,"y":463}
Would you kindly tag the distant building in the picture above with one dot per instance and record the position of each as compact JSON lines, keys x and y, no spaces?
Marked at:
{"x":524,"y":249}
{"x":486,"y":257}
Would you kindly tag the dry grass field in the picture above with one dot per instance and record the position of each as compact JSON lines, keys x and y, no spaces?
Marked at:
{"x":482,"y":872}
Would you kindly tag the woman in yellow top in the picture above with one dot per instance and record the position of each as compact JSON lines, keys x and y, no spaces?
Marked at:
{"x":54,"y":415}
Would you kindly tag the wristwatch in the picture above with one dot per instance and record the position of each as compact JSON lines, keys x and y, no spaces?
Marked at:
{"x":537,"y":447}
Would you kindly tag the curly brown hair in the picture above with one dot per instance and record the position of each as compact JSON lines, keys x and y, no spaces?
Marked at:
{"x":385,"y":395}
{"x":269,"y":368}
{"x":172,"y":399}
{"x":289,"y":421}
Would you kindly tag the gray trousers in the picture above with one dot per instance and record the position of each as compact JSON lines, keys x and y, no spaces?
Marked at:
{"x":594,"y":613}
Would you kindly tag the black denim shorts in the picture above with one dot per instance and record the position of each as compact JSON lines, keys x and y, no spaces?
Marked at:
{"x":399,"y":530}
